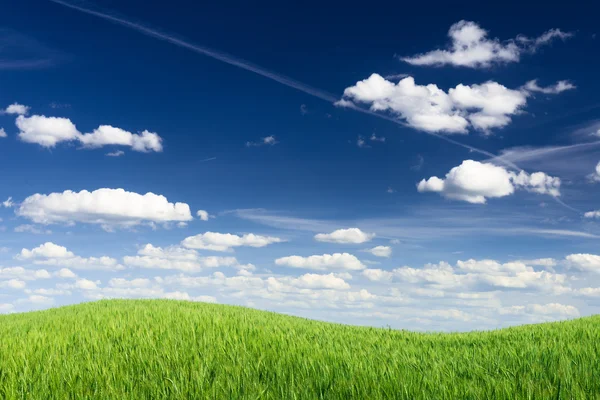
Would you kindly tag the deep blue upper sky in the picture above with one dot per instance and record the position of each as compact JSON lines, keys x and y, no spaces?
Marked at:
{"x":95,"y":72}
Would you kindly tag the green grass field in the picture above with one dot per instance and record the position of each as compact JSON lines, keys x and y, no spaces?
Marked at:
{"x":164,"y":349}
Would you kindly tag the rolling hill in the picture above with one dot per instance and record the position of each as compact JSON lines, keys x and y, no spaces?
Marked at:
{"x":165,"y":349}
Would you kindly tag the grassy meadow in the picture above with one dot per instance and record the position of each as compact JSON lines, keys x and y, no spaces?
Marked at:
{"x":165,"y":349}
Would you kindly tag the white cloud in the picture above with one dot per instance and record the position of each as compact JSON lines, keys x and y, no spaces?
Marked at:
{"x":203,"y":215}
{"x":106,"y":135}
{"x":535,"y":310}
{"x":595,"y":176}
{"x":381,"y":251}
{"x":23,"y":274}
{"x":124,"y":283}
{"x":265,"y":141}
{"x":375,"y":138}
{"x":26,"y":228}
{"x":226,"y":241}
{"x":8,"y":203}
{"x":65,"y":273}
{"x":475,"y":182}
{"x":345,"y":236}
{"x":108,"y":207}
{"x":177,"y":258}
{"x":86,"y":284}
{"x":431,"y":109}
{"x":474,"y":274}
{"x":559,"y":87}
{"x":58,"y":256}
{"x":3,"y":133}
{"x":17,"y":108}
{"x":6,"y":308}
{"x":340,"y":261}
{"x":46,"y":250}
{"x":49,"y":131}
{"x":592,"y":214}
{"x":470,"y":47}
{"x":310,"y":281}
{"x":584,"y":262}
{"x":117,"y":153}
{"x":493,"y":104}
{"x":13,"y":284}
{"x":38,"y":300}
{"x":46,"y":131}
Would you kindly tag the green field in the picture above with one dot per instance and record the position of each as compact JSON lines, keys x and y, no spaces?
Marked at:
{"x":164,"y":349}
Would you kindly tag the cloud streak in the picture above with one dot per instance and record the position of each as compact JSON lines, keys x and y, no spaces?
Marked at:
{"x":243,"y":64}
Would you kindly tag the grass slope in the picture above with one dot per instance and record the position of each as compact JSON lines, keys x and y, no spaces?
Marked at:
{"x":163,"y":349}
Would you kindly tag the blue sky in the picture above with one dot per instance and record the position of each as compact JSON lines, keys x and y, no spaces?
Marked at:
{"x":448,"y":162}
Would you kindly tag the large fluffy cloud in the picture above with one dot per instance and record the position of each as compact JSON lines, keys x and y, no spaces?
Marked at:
{"x":471,"y":47}
{"x":345,"y":236}
{"x":108,"y":207}
{"x":49,"y":131}
{"x":475,"y":182}
{"x":337,"y":261}
{"x":428,"y":108}
{"x":226,"y":241}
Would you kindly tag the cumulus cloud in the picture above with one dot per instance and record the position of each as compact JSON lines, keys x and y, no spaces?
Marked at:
{"x":203,"y":215}
{"x":545,"y":310}
{"x":24,"y":274}
{"x":226,"y":241}
{"x":58,"y":256}
{"x":17,"y":108}
{"x":337,"y":261}
{"x":428,"y":108}
{"x":474,"y":274}
{"x":470,"y":47}
{"x":559,"y":87}
{"x":584,"y":262}
{"x":592,"y":214}
{"x":46,"y":131}
{"x":381,"y":251}
{"x":177,"y":258}
{"x":107,"y":207}
{"x":117,"y":153}
{"x":595,"y":176}
{"x":475,"y":182}
{"x":3,"y":133}
{"x":49,"y":131}
{"x":345,"y":236}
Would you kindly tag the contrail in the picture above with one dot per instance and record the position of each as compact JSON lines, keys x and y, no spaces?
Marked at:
{"x":284,"y":80}
{"x":229,"y":59}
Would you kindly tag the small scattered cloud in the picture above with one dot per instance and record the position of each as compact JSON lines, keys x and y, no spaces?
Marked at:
{"x":361,"y":143}
{"x":381,"y":251}
{"x":202,"y":214}
{"x":32,"y":229}
{"x":345,"y":236}
{"x":559,"y":87}
{"x":337,"y":261}
{"x":8,"y":203}
{"x":303,"y":109}
{"x":390,"y":190}
{"x":117,"y":153}
{"x":265,"y":141}
{"x":226,"y":241}
{"x":470,"y":47}
{"x":375,"y":138}
{"x":3,"y":133}
{"x":16,"y":108}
